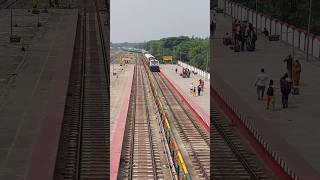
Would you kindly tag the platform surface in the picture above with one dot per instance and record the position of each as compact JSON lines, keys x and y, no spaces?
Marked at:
{"x":121,"y":78}
{"x":299,"y":124}
{"x":118,"y":86}
{"x":201,"y":102}
{"x":29,"y":82}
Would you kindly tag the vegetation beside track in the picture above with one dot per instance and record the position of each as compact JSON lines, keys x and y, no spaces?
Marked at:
{"x":193,"y":50}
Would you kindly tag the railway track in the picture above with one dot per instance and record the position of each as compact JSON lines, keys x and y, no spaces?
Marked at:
{"x":231,"y":160}
{"x":83,"y":150}
{"x":142,"y":152}
{"x":195,"y":139}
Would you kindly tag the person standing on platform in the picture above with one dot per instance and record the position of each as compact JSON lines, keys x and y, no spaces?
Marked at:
{"x":242,"y":40}
{"x":199,"y":89}
{"x":251,"y":26}
{"x":243,"y":28}
{"x":236,"y":46}
{"x":248,"y":38}
{"x":260,"y":83}
{"x":296,"y":70}
{"x":202,"y":85}
{"x":191,"y":89}
{"x":234,"y":28}
{"x":194,"y":91}
{"x":285,"y":90}
{"x":254,"y":39}
{"x":270,"y":94}
{"x":265,"y":32}
{"x":289,"y":60}
{"x":176,"y":70}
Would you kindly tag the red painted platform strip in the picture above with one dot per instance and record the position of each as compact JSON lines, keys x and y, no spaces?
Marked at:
{"x":117,"y":141}
{"x":245,"y":132}
{"x":45,"y":150}
{"x":197,"y":112}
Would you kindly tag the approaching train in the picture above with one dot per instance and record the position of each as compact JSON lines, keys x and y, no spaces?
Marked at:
{"x":153,"y":63}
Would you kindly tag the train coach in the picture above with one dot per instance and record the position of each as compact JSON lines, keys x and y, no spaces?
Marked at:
{"x":149,"y":57}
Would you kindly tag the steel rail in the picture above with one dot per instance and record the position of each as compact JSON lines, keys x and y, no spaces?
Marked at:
{"x":194,"y":153}
{"x":82,"y":91}
{"x":140,"y":82}
{"x":149,"y":129}
{"x":218,"y":127}
{"x":103,"y":44}
{"x":132,"y":127}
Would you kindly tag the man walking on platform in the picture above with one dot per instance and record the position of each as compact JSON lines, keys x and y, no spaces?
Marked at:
{"x":289,"y":60}
{"x":296,"y":70}
{"x":199,"y":89}
{"x":191,"y":89}
{"x":202,"y":85}
{"x":260,"y":83}
{"x":285,"y":90}
{"x":254,"y":39}
{"x":270,"y":94}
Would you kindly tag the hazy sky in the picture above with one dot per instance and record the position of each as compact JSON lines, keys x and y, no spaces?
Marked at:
{"x":143,"y":20}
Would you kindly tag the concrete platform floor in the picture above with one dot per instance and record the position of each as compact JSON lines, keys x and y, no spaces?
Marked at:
{"x":24,"y":96}
{"x":299,"y":124}
{"x":26,"y":26}
{"x":118,"y":84}
{"x":184,"y":84}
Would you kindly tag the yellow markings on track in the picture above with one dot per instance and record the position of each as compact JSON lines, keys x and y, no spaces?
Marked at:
{"x":181,"y":161}
{"x":167,"y":124}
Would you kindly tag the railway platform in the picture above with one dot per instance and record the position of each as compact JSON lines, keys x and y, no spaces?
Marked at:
{"x":295,"y":127}
{"x":33,"y":92}
{"x":120,"y":90}
{"x":201,"y":104}
{"x":120,"y":86}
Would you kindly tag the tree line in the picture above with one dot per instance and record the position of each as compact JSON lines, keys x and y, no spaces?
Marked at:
{"x":192,"y":50}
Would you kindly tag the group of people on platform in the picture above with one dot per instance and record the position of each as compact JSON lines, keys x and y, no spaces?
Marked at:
{"x":243,"y":36}
{"x":200,"y":88}
{"x":289,"y":83}
{"x":194,"y":89}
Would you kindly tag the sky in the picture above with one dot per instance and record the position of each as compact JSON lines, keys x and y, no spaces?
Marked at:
{"x":144,"y":20}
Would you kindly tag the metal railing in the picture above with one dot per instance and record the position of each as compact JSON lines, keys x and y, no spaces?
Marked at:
{"x":288,"y":33}
{"x":202,"y":73}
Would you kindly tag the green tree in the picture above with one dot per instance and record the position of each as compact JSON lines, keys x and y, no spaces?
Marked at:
{"x":193,"y":50}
